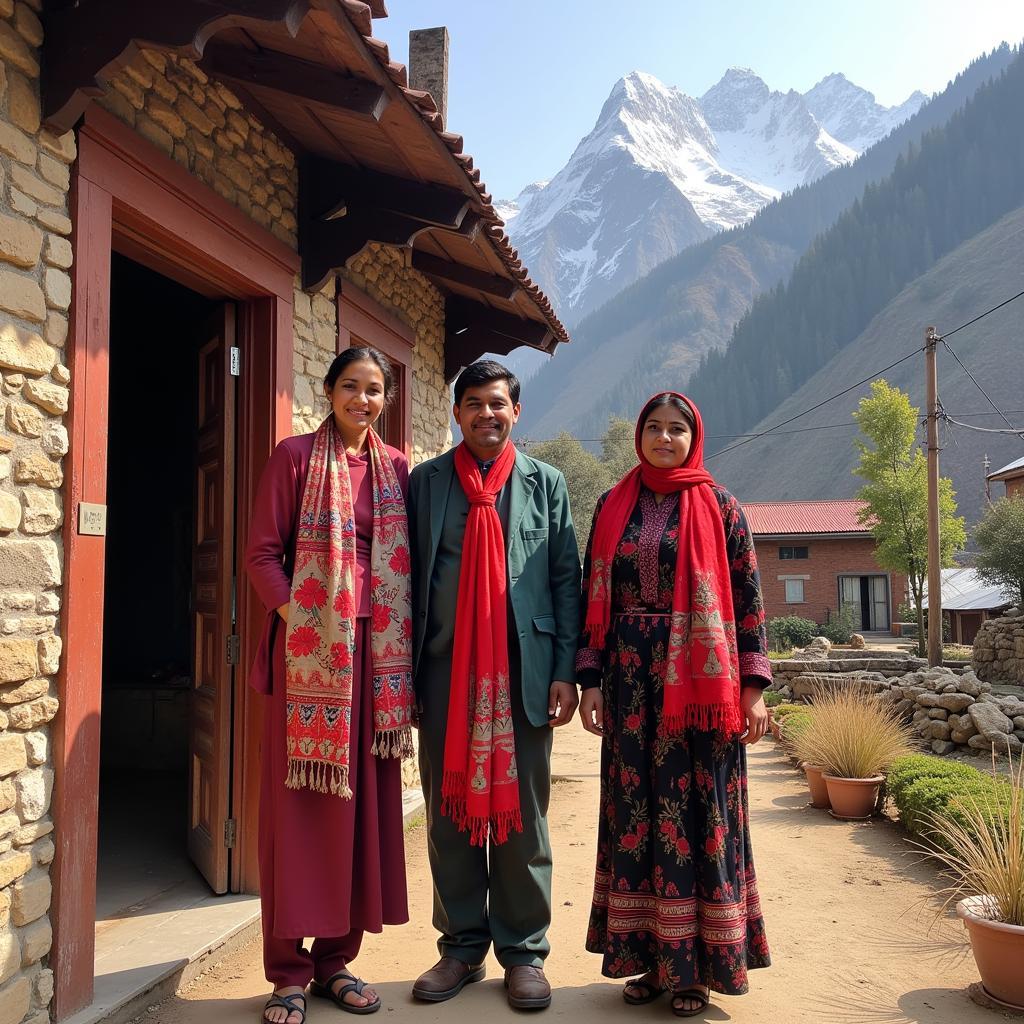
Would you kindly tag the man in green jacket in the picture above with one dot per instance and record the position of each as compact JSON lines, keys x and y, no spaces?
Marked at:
{"x":500,"y":892}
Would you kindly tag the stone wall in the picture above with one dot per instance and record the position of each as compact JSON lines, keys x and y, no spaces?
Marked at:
{"x":201,"y":124}
{"x":316,"y":342}
{"x":999,"y":650}
{"x":35,"y":295}
{"x":380,"y":271}
{"x":951,"y":711}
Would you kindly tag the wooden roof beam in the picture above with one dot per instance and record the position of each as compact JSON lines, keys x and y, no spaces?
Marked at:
{"x":85,"y":41}
{"x":331,"y":188}
{"x":327,"y":244}
{"x":447,"y":272}
{"x":472,"y":329}
{"x":288,"y":76}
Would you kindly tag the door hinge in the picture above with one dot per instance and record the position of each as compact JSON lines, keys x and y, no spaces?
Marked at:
{"x":234,"y":648}
{"x":230,"y":830}
{"x":236,"y":361}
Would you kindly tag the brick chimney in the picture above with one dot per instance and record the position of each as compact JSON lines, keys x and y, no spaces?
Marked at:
{"x":428,"y":64}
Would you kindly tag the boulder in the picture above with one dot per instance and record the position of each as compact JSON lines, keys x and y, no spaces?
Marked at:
{"x":949,"y":701}
{"x":939,"y":730}
{"x":989,"y":720}
{"x":857,"y":641}
{"x":962,"y":736}
{"x":943,"y":747}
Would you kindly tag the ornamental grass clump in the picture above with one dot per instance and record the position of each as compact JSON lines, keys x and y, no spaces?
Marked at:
{"x":853,"y":734}
{"x":980,"y":841}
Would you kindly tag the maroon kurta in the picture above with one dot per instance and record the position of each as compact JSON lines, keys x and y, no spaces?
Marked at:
{"x":327,"y":865}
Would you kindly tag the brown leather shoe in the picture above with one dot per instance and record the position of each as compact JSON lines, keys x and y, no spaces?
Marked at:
{"x":447,"y":978}
{"x":528,"y":989}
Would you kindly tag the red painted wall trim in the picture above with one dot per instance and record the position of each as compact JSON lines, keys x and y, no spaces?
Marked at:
{"x":124,"y":189}
{"x":76,"y":729}
{"x":177,"y":214}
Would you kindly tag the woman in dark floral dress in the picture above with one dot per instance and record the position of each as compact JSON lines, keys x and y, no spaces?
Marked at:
{"x":672,"y":662}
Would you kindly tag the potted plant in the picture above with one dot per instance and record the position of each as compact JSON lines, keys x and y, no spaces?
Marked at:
{"x":854,"y":737}
{"x":980,"y":840}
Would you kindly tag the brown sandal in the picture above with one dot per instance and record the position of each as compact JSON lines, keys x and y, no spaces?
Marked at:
{"x":699,"y":995}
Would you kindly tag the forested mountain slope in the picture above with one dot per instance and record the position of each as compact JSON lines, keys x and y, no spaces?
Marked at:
{"x":818,"y":463}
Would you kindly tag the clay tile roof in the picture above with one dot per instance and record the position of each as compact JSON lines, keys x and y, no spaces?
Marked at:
{"x":358,"y":13}
{"x":801,"y":518}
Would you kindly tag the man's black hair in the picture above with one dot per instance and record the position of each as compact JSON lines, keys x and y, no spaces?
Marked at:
{"x":483,"y":372}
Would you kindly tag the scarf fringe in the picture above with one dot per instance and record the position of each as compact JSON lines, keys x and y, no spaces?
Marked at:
{"x":393,"y":743}
{"x":497,"y":826}
{"x":596,"y":632}
{"x":319,"y":776}
{"x":722,"y":718}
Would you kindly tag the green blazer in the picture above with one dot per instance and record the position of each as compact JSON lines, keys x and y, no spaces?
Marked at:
{"x":543,"y":566}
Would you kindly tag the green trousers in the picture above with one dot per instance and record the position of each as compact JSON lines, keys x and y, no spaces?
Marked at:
{"x":501,"y":893}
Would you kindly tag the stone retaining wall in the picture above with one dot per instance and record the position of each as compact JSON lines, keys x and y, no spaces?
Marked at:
{"x":951,"y":711}
{"x":999,"y":650}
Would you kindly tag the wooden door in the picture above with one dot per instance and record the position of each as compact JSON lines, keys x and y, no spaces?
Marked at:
{"x":215,"y":645}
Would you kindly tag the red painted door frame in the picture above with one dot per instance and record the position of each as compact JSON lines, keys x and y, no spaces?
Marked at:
{"x":128,"y":196}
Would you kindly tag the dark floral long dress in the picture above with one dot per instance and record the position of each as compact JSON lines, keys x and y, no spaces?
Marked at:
{"x":675,"y":891}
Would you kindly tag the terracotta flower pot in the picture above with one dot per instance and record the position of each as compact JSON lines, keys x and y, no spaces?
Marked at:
{"x":998,"y":950}
{"x":853,"y":799}
{"x":816,"y":784}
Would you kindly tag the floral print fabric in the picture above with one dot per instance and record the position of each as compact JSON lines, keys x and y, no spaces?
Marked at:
{"x":675,"y":890}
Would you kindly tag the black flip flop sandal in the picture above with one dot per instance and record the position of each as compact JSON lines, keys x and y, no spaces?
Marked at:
{"x":326,"y":991}
{"x":285,"y":1003}
{"x":650,"y":990}
{"x":703,"y":998}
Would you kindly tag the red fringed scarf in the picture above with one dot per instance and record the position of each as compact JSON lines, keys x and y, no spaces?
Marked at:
{"x":321,"y":626}
{"x":480,"y":788}
{"x":702,"y":675}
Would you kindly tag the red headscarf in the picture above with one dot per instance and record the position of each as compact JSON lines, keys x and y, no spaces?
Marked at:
{"x":702,"y":676}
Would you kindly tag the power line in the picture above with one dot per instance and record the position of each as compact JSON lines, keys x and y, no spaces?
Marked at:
{"x":949,"y":348}
{"x":831,"y":398}
{"x":1005,"y":302}
{"x":984,"y":430}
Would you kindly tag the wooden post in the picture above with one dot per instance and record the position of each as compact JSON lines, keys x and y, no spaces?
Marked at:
{"x":931,"y":340}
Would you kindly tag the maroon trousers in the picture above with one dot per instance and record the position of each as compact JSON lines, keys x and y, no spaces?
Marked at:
{"x":330,"y":869}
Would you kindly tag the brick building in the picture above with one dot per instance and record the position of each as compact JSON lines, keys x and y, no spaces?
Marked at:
{"x":1012,"y":476}
{"x":200,"y":204}
{"x":816,"y":557}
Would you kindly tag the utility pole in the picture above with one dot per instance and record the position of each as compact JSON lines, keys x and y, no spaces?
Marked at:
{"x":987,"y":465}
{"x":931,"y":341}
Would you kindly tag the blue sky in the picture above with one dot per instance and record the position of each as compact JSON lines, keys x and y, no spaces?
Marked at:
{"x":527,"y":78}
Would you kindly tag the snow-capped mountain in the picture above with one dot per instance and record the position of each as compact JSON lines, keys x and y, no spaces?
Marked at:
{"x":852,"y":115}
{"x":661,"y":170}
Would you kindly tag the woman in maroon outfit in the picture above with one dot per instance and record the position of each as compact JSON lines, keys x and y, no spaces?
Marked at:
{"x":331,"y":849}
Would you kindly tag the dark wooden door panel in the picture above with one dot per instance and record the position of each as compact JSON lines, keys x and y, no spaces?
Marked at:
{"x":213,"y":604}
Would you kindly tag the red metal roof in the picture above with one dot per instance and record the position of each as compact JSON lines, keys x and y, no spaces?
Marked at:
{"x":804,"y":517}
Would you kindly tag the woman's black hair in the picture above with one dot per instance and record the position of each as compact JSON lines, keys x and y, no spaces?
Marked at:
{"x":359,"y":355}
{"x":679,"y":404}
{"x":483,"y":372}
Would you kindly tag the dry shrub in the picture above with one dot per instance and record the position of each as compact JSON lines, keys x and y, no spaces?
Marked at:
{"x":853,"y":734}
{"x":981,"y":843}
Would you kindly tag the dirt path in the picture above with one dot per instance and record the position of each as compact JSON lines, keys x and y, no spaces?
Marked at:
{"x":846,"y":907}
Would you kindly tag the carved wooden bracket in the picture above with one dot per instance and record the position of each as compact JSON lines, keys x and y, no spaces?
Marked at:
{"x":341,"y":209}
{"x":472,"y":329}
{"x":89,"y":38}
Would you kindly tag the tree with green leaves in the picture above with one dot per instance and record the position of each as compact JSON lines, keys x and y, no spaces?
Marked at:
{"x":896,"y":493}
{"x":618,"y":447}
{"x":1000,"y":540}
{"x":586,"y":478}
